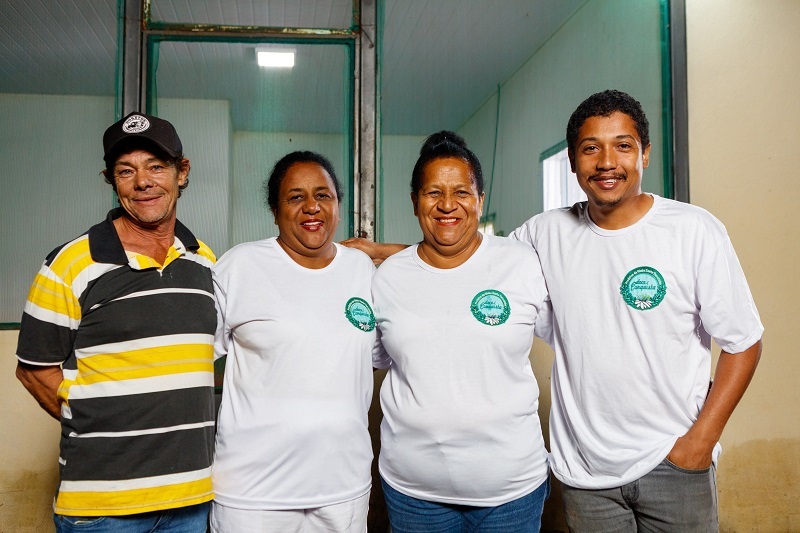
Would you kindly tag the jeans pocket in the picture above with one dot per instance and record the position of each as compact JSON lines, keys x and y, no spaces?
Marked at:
{"x":677,"y":468}
{"x":78,"y":523}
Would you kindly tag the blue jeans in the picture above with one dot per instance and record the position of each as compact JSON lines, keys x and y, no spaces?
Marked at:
{"x":669,"y":498}
{"x":410,"y":515}
{"x":192,"y":519}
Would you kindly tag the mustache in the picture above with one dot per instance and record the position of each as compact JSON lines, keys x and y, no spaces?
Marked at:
{"x":605,"y":175}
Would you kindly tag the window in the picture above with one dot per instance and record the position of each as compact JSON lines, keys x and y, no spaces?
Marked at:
{"x":560,"y":186}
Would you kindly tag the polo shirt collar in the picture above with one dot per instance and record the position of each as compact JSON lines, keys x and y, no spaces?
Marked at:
{"x":105,"y":246}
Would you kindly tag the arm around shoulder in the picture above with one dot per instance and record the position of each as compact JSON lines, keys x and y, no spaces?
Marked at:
{"x":42,"y":383}
{"x":377,"y":251}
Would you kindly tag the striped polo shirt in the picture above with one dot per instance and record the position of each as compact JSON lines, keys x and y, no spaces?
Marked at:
{"x":135,"y":341}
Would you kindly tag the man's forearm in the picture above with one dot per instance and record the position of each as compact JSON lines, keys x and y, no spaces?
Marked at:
{"x":377,"y":251}
{"x":732,"y":376}
{"x":42,"y":383}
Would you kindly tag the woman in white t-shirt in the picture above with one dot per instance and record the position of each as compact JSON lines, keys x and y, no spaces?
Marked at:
{"x":461,"y":442}
{"x":295,"y":321}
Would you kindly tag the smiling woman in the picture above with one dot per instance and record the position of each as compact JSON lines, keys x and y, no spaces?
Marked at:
{"x":461,"y":441}
{"x":304,"y":199}
{"x":296,"y":324}
{"x":447,"y":193}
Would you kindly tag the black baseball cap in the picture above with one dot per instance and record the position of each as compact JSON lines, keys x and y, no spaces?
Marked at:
{"x":140,"y":127}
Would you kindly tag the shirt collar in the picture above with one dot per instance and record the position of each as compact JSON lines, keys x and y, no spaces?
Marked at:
{"x":105,"y":246}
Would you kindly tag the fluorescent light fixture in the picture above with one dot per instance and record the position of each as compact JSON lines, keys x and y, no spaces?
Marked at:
{"x":275,"y":58}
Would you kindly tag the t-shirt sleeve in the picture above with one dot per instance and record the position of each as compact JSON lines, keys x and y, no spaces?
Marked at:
{"x":544,"y":323}
{"x":727,"y":310}
{"x":380,"y":359}
{"x":223,"y":332}
{"x":522,"y":234}
{"x":49,"y":321}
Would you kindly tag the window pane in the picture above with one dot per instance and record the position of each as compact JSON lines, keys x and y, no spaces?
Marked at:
{"x":57,"y":80}
{"x":337,"y":14}
{"x":560,"y":186}
{"x":237,"y":119}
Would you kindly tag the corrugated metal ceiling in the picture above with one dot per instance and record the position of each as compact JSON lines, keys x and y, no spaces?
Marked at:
{"x":441,"y":58}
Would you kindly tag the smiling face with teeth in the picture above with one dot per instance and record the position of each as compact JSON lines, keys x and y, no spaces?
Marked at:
{"x":609,"y":160}
{"x":307,"y":214}
{"x":448,"y":207}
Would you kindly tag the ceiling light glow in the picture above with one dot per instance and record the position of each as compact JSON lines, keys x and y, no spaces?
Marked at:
{"x":275,"y":59}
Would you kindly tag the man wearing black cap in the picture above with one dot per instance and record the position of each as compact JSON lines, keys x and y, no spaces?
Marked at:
{"x":116,"y":341}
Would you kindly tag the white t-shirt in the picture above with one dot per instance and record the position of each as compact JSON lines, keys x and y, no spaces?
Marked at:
{"x":460,"y":399}
{"x":633,"y":313}
{"x":292,"y":428}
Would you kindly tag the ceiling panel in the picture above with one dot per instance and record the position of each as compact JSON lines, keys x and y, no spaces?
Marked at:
{"x":441,"y":59}
{"x":58,"y":47}
{"x":308,"y":98}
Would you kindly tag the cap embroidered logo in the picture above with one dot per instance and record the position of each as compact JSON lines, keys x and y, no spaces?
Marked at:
{"x":135,"y":124}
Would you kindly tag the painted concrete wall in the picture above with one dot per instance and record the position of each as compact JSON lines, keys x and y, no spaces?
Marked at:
{"x":50,"y":160}
{"x":28,"y":452}
{"x":605,"y":44}
{"x":254,"y":155}
{"x":397,"y":222}
{"x":744,"y":75}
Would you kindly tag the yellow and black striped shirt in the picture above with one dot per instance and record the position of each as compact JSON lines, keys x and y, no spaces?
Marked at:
{"x":135,"y":341}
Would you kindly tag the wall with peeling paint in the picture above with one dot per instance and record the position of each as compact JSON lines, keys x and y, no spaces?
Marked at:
{"x":28,"y":452}
{"x":744,"y":111}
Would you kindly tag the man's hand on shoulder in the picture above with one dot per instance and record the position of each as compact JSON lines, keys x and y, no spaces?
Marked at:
{"x":377,"y":251}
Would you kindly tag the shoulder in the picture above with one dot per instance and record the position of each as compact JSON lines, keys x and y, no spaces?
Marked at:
{"x":244,"y":252}
{"x":508,"y":249}
{"x":354,"y":258}
{"x":69,"y":259}
{"x":692,"y":217}
{"x":397,"y":262}
{"x":537,"y":224}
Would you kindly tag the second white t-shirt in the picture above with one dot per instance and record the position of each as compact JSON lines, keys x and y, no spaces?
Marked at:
{"x":460,"y":399}
{"x":292,"y":429}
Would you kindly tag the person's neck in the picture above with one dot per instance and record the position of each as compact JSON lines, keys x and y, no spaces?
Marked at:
{"x":153,"y":242}
{"x":437,"y":258}
{"x":623,"y":214}
{"x":319,"y":260}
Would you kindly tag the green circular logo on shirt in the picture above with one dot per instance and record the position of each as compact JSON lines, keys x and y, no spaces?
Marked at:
{"x":360,"y":314}
{"x":490,"y":307}
{"x":643,"y":288}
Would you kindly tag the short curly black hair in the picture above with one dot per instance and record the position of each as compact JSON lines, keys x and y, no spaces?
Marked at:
{"x":442,"y":145}
{"x":603,"y":104}
{"x":272,"y":186}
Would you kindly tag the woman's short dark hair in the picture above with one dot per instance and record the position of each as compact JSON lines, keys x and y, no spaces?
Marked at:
{"x":603,"y":104}
{"x":442,"y":145}
{"x":272,"y":187}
